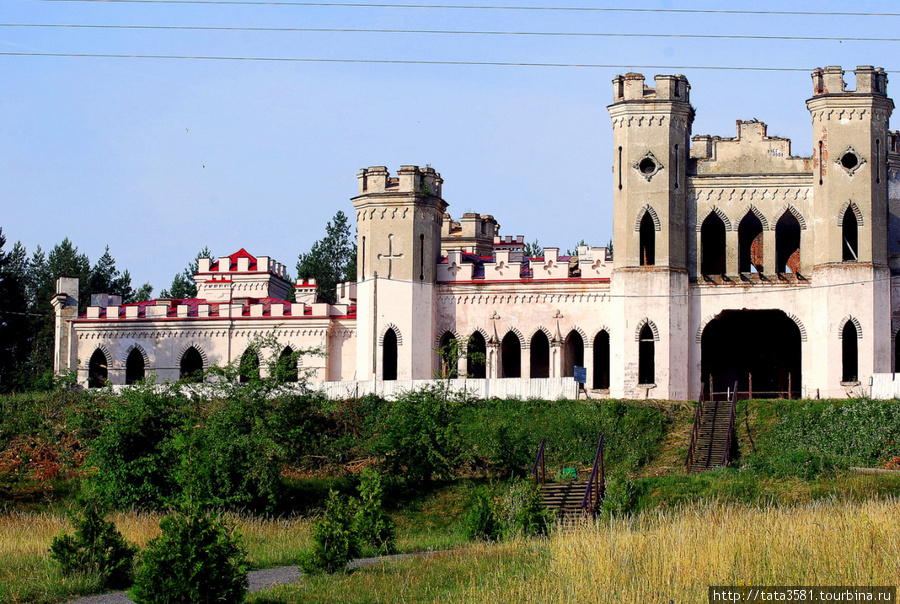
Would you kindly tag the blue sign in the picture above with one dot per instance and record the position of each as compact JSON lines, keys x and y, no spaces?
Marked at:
{"x":580,"y":375}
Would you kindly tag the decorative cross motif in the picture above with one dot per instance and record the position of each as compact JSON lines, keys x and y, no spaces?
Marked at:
{"x":390,"y":255}
{"x":454,"y":269}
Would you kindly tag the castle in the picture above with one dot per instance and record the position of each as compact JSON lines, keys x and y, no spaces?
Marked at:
{"x":735,"y":262}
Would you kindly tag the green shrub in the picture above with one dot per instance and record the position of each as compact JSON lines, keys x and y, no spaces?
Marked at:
{"x":372,"y":525}
{"x":619,"y":498}
{"x":96,"y":548}
{"x":335,"y":541}
{"x":524,"y":511}
{"x":197,"y":560}
{"x":482,"y":522}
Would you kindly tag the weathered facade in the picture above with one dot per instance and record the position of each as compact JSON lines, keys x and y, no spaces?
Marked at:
{"x":735,"y":261}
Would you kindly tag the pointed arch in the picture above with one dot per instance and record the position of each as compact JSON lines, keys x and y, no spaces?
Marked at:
{"x":857,"y":325}
{"x":98,"y":367}
{"x":647,"y":209}
{"x":448,"y":354}
{"x":718,"y":212}
{"x":248,"y":370}
{"x":534,"y":332}
{"x":573,"y":345}
{"x":136,"y":363}
{"x":849,"y":335}
{"x":713,"y":245}
{"x":850,"y":204}
{"x":440,"y":336}
{"x":287,"y":365}
{"x":397,"y":334}
{"x":539,"y":353}
{"x":390,"y":341}
{"x":751,"y":242}
{"x":787,"y":243}
{"x":476,"y":354}
{"x":789,"y":208}
{"x":191,"y":364}
{"x":511,"y":355}
{"x":647,"y":339}
{"x":601,"y":360}
{"x":519,"y":335}
{"x":752,"y":209}
{"x":640,"y":327}
{"x":140,"y":350}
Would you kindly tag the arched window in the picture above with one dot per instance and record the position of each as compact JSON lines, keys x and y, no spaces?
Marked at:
{"x":601,"y":361}
{"x":389,"y":356}
{"x":134,"y":367}
{"x":476,"y":356}
{"x":574,"y":353}
{"x":750,"y":244}
{"x":648,"y":240}
{"x":850,"y":231}
{"x":249,"y":367}
{"x":511,"y":356}
{"x":97,"y":370}
{"x":449,"y":355}
{"x":647,"y":356}
{"x":712,"y":246}
{"x":191,"y":366}
{"x":540,"y":355}
{"x":850,"y":353}
{"x":787,"y":244}
{"x":286,"y":366}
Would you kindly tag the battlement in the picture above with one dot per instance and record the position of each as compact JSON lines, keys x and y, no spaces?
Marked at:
{"x":830,"y":80}
{"x":474,"y":233}
{"x":752,"y":151}
{"x":240,"y":275}
{"x":409,"y":179}
{"x":631,"y":87}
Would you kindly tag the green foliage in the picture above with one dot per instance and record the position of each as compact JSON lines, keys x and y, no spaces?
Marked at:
{"x":183,"y":286}
{"x":533,"y":249}
{"x":197,"y":559}
{"x":372,"y":525}
{"x":523,"y":511}
{"x":14,"y":327}
{"x":105,"y":278}
{"x":96,"y":548}
{"x":335,"y":542}
{"x":331,"y":260}
{"x":419,"y":435}
{"x":481,"y":521}
{"x":619,"y":498}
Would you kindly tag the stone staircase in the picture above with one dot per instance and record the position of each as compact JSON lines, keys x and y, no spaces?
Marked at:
{"x":565,"y":498}
{"x":712,"y":437}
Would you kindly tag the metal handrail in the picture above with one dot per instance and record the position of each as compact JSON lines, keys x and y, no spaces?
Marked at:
{"x":727,"y":452}
{"x":596,"y":488}
{"x":539,"y":460}
{"x":698,"y":416}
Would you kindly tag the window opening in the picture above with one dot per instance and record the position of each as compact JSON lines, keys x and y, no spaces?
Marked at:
{"x":646,"y":357}
{"x":712,"y":246}
{"x":574,"y":356}
{"x":389,"y":356}
{"x":134,"y":367}
{"x":449,"y":355}
{"x":476,"y":356}
{"x":601,"y":361}
{"x":421,"y":257}
{"x":98,"y":373}
{"x":191,"y":366}
{"x":850,"y":231}
{"x":647,"y":241}
{"x":286,"y":367}
{"x":850,"y":353}
{"x":540,"y":355}
{"x":249,"y":368}
{"x":787,"y":244}
{"x":821,"y":161}
{"x":511,"y":356}
{"x":620,"y":168}
{"x":750,"y":244}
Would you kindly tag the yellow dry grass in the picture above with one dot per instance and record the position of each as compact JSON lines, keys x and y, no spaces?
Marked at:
{"x":676,"y":555}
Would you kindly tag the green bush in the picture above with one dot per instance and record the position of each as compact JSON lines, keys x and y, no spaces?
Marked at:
{"x":197,"y":560}
{"x":619,"y":498}
{"x":96,"y":548}
{"x":372,"y":525}
{"x":335,"y":541}
{"x":482,"y":522}
{"x":524,"y":511}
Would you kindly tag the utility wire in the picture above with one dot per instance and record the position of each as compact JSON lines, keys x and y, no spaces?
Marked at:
{"x":491,"y":7}
{"x":445,"y":32}
{"x":398,"y":61}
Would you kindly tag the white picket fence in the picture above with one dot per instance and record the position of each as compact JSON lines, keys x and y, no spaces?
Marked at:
{"x":517,"y":388}
{"x":886,"y":385}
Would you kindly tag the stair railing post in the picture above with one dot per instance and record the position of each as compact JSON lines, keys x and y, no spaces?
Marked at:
{"x":539,"y":460}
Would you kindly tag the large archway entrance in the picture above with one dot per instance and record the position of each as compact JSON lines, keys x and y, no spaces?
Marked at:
{"x":758,"y":349}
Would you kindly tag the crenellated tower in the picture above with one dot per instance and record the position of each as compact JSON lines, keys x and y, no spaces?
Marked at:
{"x":399,"y":243}
{"x":651,"y":138}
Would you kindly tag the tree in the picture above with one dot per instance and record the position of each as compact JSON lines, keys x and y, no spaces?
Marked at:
{"x":575,"y":251}
{"x":106,"y":279}
{"x":331,"y":260}
{"x":533,"y":250}
{"x":14,"y":341}
{"x":183,"y":286}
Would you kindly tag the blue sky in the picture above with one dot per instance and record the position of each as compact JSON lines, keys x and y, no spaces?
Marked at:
{"x":159,"y":157}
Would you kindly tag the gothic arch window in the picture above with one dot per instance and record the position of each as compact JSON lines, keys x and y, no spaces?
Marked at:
{"x":646,"y":356}
{"x":647,"y":241}
{"x":389,"y":354}
{"x":850,"y":235}
{"x":511,"y":356}
{"x":135,"y":369}
{"x":249,"y":367}
{"x":787,"y":244}
{"x":849,"y":353}
{"x":601,"y":361}
{"x":449,"y":354}
{"x":476,"y":355}
{"x":540,"y":355}
{"x":574,"y":356}
{"x":712,"y":246}
{"x":286,"y":366}
{"x":98,"y":369}
{"x":191,"y":366}
{"x":750,"y":244}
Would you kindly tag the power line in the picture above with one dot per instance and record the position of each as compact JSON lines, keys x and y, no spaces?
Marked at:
{"x":491,"y":7}
{"x":444,"y":32}
{"x":397,"y":61}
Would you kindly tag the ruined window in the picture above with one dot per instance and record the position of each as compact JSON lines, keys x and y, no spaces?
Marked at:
{"x":540,"y":355}
{"x":787,"y":244}
{"x":249,"y":367}
{"x":601,"y":361}
{"x":850,"y":353}
{"x":574,"y":356}
{"x":134,"y":367}
{"x":191,"y":366}
{"x":286,"y":367}
{"x":476,"y":355}
{"x":750,"y":244}
{"x":850,"y":232}
{"x":511,"y":356}
{"x":712,"y":246}
{"x":97,"y":370}
{"x":389,"y":356}
{"x":449,"y":353}
{"x":647,"y":240}
{"x":646,"y":356}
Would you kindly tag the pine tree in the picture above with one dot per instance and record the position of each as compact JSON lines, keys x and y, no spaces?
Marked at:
{"x":183,"y":286}
{"x":13,"y":316}
{"x":331,"y":260}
